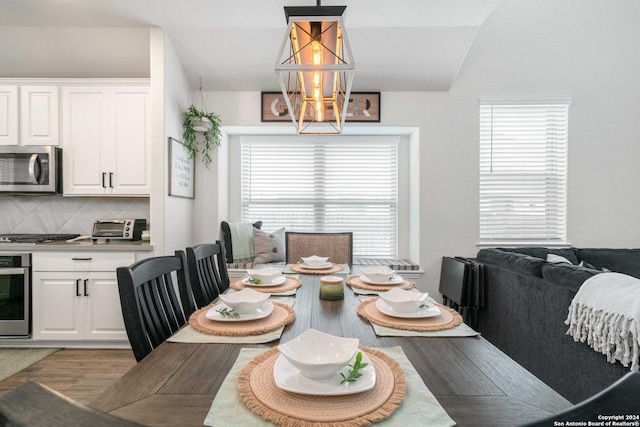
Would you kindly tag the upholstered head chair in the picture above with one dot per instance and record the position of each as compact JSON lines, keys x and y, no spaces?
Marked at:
{"x":337,"y":246}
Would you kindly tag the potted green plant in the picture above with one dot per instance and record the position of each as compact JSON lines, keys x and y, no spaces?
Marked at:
{"x":201,"y":133}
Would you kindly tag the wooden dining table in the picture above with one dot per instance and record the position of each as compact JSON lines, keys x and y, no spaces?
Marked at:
{"x":476,"y":384}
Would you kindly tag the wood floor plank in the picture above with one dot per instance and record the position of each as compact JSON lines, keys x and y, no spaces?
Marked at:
{"x":81,"y":374}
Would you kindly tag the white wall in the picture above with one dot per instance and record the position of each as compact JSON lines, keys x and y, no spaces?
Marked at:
{"x":171,"y":217}
{"x":528,"y":48}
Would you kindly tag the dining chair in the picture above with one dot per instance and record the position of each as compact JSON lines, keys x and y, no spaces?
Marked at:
{"x":151,"y":309}
{"x":337,"y":246}
{"x":35,"y":405}
{"x":620,"y":398}
{"x":208,"y":273}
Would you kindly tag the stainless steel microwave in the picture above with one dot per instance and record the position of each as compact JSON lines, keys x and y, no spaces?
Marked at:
{"x":30,"y":169}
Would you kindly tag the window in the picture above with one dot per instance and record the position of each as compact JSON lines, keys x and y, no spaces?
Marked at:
{"x":324,"y":184}
{"x":523,"y":171}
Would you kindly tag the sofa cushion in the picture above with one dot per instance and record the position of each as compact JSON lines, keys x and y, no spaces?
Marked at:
{"x":269,"y":247}
{"x":541,"y":252}
{"x":517,"y":262}
{"x":225,"y":236}
{"x":625,"y":261}
{"x":572,"y":276}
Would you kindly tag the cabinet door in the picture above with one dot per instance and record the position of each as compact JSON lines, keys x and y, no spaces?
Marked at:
{"x":129,"y":142}
{"x":9,"y":115}
{"x":85,"y":118}
{"x":39,"y":115}
{"x":57,"y":308}
{"x":103,"y":316}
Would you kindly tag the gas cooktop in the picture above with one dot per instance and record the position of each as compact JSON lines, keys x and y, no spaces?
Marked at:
{"x":35,"y":238}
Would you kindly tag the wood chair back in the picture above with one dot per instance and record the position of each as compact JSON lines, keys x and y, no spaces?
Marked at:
{"x":208,"y":273}
{"x":151,"y":309}
{"x":337,"y":246}
{"x":620,"y":398}
{"x":36,"y":405}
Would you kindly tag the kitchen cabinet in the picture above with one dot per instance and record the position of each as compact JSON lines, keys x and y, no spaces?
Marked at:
{"x":75,"y":296}
{"x":106,"y":138}
{"x":29,"y":115}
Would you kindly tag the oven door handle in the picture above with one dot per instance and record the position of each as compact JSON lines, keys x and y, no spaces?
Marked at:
{"x":11,"y":271}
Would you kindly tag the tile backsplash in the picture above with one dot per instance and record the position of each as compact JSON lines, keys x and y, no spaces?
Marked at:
{"x":65,"y":215}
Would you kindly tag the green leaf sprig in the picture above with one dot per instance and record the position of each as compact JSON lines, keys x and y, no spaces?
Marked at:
{"x":253,"y":281}
{"x":226,"y":312}
{"x":354,"y":373}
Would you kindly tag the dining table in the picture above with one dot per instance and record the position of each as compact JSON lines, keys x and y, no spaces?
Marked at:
{"x":474,"y":382}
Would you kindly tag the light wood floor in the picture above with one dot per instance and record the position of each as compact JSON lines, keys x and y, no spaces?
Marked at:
{"x":77,"y":373}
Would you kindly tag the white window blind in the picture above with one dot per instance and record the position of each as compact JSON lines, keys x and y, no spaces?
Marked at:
{"x":320,"y":184}
{"x":523,"y":171}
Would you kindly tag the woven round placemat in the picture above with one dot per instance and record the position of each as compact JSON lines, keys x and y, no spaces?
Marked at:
{"x":289,"y":284}
{"x":282,"y":315}
{"x":260,"y":393}
{"x":447,"y":320}
{"x":335,"y":268}
{"x":356,"y":282}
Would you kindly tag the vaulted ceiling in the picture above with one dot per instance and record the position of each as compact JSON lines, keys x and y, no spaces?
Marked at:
{"x":232,"y":45}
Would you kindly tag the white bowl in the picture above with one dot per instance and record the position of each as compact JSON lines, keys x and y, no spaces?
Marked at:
{"x":318,"y":355}
{"x":379,"y":274}
{"x":403,"y":301}
{"x":265,"y":275}
{"x":315,"y":261}
{"x":245,"y":301}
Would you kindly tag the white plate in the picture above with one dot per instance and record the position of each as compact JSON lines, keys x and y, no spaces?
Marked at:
{"x":394,"y":280}
{"x":276,"y":282}
{"x":430,"y":311}
{"x":259,"y":313}
{"x":322,"y":267}
{"x":290,"y":379}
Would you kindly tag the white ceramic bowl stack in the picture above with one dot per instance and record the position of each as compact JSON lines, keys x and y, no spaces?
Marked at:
{"x":402,"y":300}
{"x":315,"y":261}
{"x":245,"y":301}
{"x":319,"y":355}
{"x":266,"y":276}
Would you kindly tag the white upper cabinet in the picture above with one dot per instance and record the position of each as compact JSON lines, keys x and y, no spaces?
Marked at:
{"x":106,"y":138}
{"x":39,"y":115}
{"x":29,"y":115}
{"x":9,"y":115}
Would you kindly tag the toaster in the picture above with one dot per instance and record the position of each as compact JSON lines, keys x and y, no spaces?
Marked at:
{"x":118,"y":229}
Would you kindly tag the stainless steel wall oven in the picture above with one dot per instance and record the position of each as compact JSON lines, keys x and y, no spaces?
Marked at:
{"x":15,"y":295}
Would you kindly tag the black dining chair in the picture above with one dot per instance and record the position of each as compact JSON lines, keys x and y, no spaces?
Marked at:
{"x":36,"y":405}
{"x":620,"y":398}
{"x":208,"y":272}
{"x":337,"y":246}
{"x":151,"y":308}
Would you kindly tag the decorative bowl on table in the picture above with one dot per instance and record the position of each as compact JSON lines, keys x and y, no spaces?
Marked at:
{"x":315,"y":261}
{"x":266,"y":276}
{"x":378,"y":274}
{"x":402,"y":300}
{"x":319,"y":355}
{"x":245,"y":301}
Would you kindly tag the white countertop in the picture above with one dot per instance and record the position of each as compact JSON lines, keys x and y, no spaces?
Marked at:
{"x":89,"y":245}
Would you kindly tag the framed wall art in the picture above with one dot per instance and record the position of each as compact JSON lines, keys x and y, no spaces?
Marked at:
{"x":181,"y":170}
{"x":362,"y":107}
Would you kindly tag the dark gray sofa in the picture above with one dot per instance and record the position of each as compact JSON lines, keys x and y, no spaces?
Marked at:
{"x":527,"y":301}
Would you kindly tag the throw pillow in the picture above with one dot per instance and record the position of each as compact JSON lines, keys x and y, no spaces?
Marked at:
{"x":269,"y":247}
{"x":557,"y":259}
{"x":225,"y":236}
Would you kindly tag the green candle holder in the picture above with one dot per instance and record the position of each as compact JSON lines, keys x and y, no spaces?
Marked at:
{"x":331,"y":288}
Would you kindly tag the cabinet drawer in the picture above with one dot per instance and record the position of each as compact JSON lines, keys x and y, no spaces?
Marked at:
{"x":81,"y":261}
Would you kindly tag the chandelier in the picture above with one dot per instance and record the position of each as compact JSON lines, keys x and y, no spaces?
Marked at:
{"x":315,"y":68}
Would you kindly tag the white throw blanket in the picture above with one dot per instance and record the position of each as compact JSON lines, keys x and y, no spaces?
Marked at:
{"x":241,"y":240}
{"x":606,"y":314}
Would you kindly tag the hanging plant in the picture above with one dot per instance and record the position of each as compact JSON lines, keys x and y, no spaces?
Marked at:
{"x":201,"y":131}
